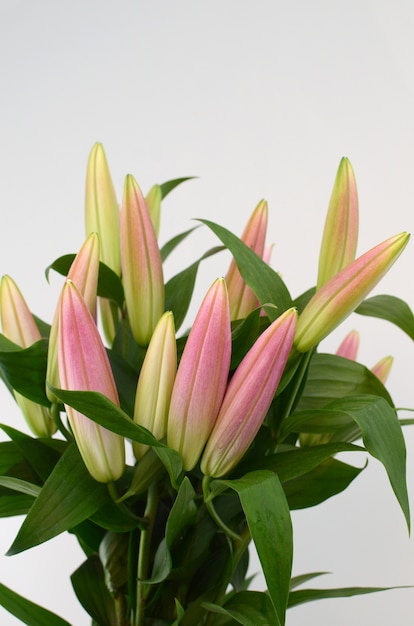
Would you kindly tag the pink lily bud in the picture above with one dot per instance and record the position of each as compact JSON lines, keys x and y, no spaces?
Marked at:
{"x":341,"y":295}
{"x":153,"y":201}
{"x":201,"y":377}
{"x":382,"y":368}
{"x":142,"y":273}
{"x":242,"y":300}
{"x":84,"y":366}
{"x":84,"y":275}
{"x":349,"y":346}
{"x":19,"y":326}
{"x":248,"y":397}
{"x":155,"y":383}
{"x":340,"y":235}
{"x":102,"y":217}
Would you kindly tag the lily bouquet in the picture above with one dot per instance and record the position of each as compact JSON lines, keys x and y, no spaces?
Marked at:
{"x":166,"y":453}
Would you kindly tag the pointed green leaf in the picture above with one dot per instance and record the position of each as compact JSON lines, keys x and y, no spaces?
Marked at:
{"x":267,"y":514}
{"x":391,"y":309}
{"x":22,"y":486}
{"x":170,"y":245}
{"x":375,"y":420}
{"x":296,"y":462}
{"x":265,"y":282}
{"x":26,"y":611}
{"x":324,"y":481}
{"x":249,"y":608}
{"x":332,"y":377}
{"x":9,"y":456}
{"x":169,"y":185}
{"x":179,"y":289}
{"x":89,"y":584}
{"x":25,"y":369}
{"x":104,"y":412}
{"x":69,"y":496}
{"x":41,"y":454}
{"x":109,"y":283}
{"x":310,"y":595}
{"x":15,"y":505}
{"x":182,"y":514}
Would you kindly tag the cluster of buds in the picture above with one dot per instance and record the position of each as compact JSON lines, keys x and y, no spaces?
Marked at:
{"x":207,"y":413}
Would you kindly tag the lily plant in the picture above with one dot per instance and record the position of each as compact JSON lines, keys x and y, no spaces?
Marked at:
{"x":167,"y":453}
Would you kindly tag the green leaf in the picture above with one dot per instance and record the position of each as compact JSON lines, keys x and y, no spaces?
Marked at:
{"x":28,"y":612}
{"x":391,"y":309}
{"x":182,"y":514}
{"x":296,"y":581}
{"x":170,"y":245}
{"x":258,"y":275}
{"x":24,"y":369}
{"x":179,"y":289}
{"x":310,"y":595}
{"x":169,"y":185}
{"x":249,"y":608}
{"x":69,"y":496}
{"x":22,"y":486}
{"x":109,"y":283}
{"x":379,"y":426}
{"x":15,"y":505}
{"x":9,"y":456}
{"x":324,"y":481}
{"x":41,"y":454}
{"x":101,"y":410}
{"x":88,"y":581}
{"x":296,"y":462}
{"x":267,"y":514}
{"x":331,"y":377}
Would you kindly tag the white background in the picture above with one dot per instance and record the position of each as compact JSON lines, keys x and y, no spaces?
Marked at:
{"x":257,"y":99}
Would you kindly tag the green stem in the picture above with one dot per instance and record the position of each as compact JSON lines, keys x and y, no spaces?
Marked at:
{"x":144,"y":555}
{"x":238,"y":548}
{"x":210,"y":508}
{"x":55,"y":413}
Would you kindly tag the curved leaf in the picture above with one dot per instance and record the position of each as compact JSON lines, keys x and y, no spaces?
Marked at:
{"x":310,"y":595}
{"x":249,"y":608}
{"x":170,"y":245}
{"x":267,"y":513}
{"x":331,"y":377}
{"x":109,"y":283}
{"x":169,"y":185}
{"x":389,"y":308}
{"x":28,"y":612}
{"x":265,"y":282}
{"x":375,"y":420}
{"x":179,"y":289}
{"x":69,"y":496}
{"x":101,"y":410}
{"x":24,"y":369}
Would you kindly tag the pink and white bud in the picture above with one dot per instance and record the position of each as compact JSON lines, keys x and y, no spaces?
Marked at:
{"x":84,"y":366}
{"x":248,"y":396}
{"x":340,"y":235}
{"x":382,"y":368}
{"x":348,"y":348}
{"x":142,"y":273}
{"x":84,"y":274}
{"x":155,"y":382}
{"x":201,"y":377}
{"x":242,"y":300}
{"x":19,"y":326}
{"x":343,"y":293}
